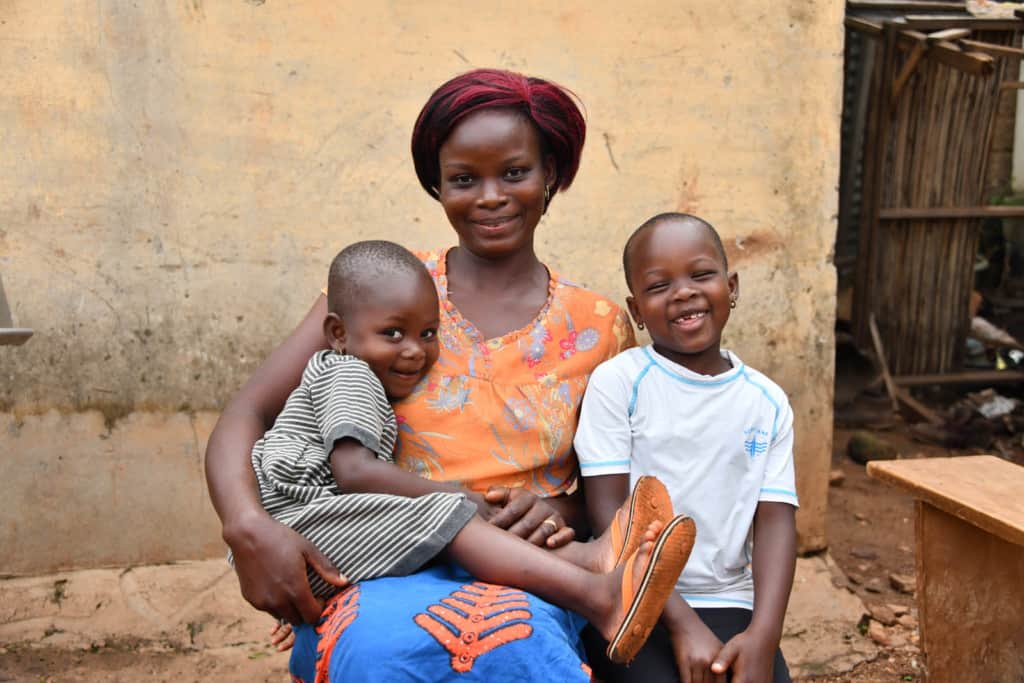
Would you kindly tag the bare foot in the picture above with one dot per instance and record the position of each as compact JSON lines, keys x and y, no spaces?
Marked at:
{"x":654,"y":569}
{"x":608,"y":623}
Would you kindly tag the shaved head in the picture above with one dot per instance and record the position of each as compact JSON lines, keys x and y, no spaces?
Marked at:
{"x":358,"y":266}
{"x":663,"y":219}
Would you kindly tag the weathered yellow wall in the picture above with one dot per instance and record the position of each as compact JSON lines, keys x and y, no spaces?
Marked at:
{"x":176,"y":176}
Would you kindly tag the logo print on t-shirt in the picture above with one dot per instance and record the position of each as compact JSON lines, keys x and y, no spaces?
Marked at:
{"x":752,"y":445}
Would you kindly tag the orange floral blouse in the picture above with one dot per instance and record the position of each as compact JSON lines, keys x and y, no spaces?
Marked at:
{"x":503,"y":411}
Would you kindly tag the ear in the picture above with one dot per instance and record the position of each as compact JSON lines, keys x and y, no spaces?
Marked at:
{"x":550,"y":170}
{"x":734,"y":286}
{"x":634,"y":312}
{"x":334,"y":330}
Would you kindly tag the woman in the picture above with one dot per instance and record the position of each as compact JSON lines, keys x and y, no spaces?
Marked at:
{"x":494,"y":418}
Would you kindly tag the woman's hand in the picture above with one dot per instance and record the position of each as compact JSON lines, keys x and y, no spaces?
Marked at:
{"x":521,"y":513}
{"x":270,"y":560}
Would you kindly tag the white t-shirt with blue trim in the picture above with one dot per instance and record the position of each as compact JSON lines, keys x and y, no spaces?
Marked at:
{"x":720,"y":444}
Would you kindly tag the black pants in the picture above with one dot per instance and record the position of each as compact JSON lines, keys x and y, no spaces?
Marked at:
{"x":656,"y":663}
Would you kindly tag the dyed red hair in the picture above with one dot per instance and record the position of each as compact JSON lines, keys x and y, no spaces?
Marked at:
{"x":549,"y":107}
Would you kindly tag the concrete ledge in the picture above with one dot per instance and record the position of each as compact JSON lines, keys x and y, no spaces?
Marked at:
{"x":83,"y":490}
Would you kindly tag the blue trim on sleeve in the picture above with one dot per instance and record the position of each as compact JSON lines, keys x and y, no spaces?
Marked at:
{"x":780,"y":492}
{"x":636,"y":384}
{"x":764,"y":390}
{"x":603,"y":463}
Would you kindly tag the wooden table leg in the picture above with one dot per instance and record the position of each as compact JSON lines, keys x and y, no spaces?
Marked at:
{"x":970,"y":596}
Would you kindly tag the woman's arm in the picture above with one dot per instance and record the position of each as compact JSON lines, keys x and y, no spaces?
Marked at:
{"x":270,"y":558}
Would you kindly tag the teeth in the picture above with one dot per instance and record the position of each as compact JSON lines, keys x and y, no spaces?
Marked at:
{"x":691,"y":316}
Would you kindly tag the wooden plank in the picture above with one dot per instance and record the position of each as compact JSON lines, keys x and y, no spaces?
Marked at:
{"x":975,"y":377}
{"x":948,"y":53}
{"x":968,"y":576}
{"x":948,"y":34}
{"x":991,"y":48}
{"x":980,"y":489}
{"x":908,"y":68}
{"x":926,"y":22}
{"x":14,"y":336}
{"x":921,"y":409}
{"x":944,"y":212}
{"x":905,"y":6}
{"x":876,"y":339}
{"x":1011,"y":85}
{"x":863,"y":25}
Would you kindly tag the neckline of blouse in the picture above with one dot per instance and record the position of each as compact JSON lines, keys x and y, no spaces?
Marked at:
{"x":470,"y":329}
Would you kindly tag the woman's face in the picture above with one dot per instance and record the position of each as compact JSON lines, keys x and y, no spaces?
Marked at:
{"x":492,"y":182}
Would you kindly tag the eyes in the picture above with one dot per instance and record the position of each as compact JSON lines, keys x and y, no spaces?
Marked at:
{"x":396,"y":334}
{"x":659,"y":286}
{"x":512,"y":174}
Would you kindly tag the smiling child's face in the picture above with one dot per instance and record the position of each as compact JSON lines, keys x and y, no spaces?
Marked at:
{"x":393,"y":329}
{"x":681,"y":292}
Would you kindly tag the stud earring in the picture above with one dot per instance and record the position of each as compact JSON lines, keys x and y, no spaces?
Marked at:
{"x":640,"y":325}
{"x":732,"y":303}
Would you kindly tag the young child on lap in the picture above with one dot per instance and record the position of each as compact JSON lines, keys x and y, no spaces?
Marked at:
{"x":337,"y":427}
{"x":719,"y":435}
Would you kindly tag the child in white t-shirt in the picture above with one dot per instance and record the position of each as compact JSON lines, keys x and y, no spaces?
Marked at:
{"x":719,"y":435}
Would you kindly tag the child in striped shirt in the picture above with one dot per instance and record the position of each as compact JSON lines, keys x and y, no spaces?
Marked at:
{"x":326,"y":470}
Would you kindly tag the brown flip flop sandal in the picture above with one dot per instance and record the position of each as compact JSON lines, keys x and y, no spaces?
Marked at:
{"x":648,"y":502}
{"x":646,"y":602}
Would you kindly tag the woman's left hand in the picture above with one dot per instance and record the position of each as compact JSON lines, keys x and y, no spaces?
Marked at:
{"x":527,"y":516}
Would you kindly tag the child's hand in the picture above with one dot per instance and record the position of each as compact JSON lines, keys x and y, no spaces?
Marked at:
{"x":695,"y":647}
{"x":282,"y":636}
{"x":750,"y":655}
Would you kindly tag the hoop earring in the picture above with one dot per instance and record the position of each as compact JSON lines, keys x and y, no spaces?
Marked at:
{"x":547,"y":195}
{"x":640,"y":325}
{"x":732,"y":303}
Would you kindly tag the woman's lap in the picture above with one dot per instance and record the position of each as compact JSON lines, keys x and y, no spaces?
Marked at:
{"x":436,"y":625}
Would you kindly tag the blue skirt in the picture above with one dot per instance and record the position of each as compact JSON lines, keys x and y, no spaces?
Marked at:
{"x":439,"y":625}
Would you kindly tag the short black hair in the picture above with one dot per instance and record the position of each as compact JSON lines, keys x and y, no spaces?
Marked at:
{"x":670,"y":217}
{"x":359,"y":264}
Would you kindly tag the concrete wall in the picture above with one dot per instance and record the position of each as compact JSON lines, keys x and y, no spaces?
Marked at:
{"x":176,"y":176}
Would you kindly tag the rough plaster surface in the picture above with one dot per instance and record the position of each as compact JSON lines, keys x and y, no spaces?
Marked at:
{"x":177,"y":176}
{"x":195,"y":609}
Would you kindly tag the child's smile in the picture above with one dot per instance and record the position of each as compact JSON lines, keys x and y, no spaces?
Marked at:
{"x":682,"y":293}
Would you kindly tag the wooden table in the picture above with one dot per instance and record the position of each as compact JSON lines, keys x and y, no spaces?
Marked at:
{"x":970,"y":563}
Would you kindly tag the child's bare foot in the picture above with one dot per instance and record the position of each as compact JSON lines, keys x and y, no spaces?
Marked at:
{"x":640,"y":585}
{"x":282,"y":636}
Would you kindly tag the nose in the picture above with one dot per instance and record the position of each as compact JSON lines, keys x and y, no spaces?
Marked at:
{"x":413,"y":350}
{"x":684,"y":290}
{"x":492,"y":193}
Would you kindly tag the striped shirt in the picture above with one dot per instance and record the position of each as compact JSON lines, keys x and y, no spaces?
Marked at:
{"x":366,"y":535}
